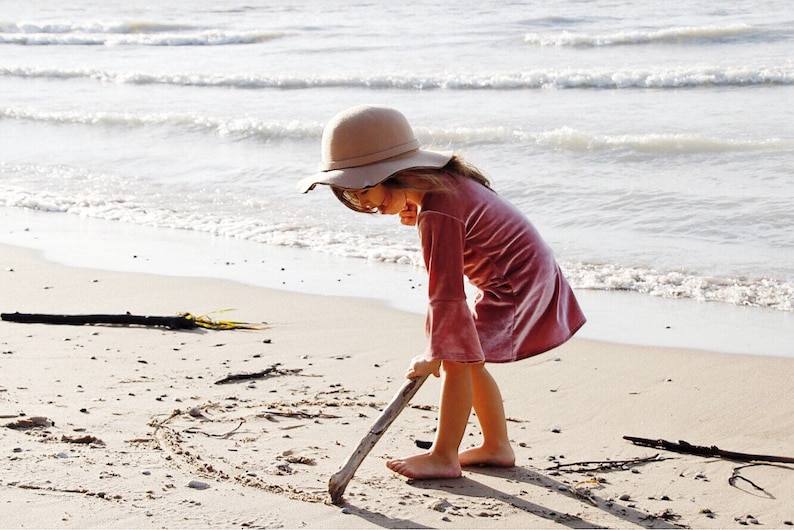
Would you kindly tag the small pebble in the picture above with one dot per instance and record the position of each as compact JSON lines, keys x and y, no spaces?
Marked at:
{"x":197,"y":485}
{"x":17,"y":449}
{"x":555,"y":430}
{"x":62,"y":455}
{"x":440,"y":505}
{"x":625,"y":497}
{"x":146,"y":472}
{"x":346,"y":510}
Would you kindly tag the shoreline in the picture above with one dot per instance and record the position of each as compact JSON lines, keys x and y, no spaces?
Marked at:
{"x":164,"y":445}
{"x":620,"y":317}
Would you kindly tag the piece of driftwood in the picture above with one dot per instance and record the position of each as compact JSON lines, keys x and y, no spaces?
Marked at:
{"x":245,"y":376}
{"x":180,"y":321}
{"x":174,"y":322}
{"x":603,"y":465}
{"x":711,"y":451}
{"x":296,"y":414}
{"x":340,"y":479}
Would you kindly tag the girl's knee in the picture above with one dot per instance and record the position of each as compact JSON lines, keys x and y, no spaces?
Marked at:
{"x":457,"y":367}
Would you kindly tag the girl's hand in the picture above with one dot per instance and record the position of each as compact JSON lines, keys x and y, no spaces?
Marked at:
{"x":420,"y":366}
{"x":408,"y":214}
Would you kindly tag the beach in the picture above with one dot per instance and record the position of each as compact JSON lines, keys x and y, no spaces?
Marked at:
{"x":149,"y":153}
{"x":127,"y":427}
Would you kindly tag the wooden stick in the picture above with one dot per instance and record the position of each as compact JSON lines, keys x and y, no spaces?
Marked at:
{"x":181,"y":321}
{"x":604,"y":465}
{"x":699,"y":450}
{"x":340,"y":479}
{"x":175,"y":322}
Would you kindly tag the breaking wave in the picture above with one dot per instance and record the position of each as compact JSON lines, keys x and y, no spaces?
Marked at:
{"x":565,"y":138}
{"x":623,"y":78}
{"x":674,"y":35}
{"x":114,"y":202}
{"x":126,"y":34}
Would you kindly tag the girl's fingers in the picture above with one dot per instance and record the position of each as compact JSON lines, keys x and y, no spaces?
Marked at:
{"x":408,"y":214}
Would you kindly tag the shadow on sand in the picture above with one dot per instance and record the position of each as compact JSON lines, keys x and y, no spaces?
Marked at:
{"x":471,"y":488}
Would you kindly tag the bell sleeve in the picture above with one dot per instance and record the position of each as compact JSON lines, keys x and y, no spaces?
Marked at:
{"x":451,"y":331}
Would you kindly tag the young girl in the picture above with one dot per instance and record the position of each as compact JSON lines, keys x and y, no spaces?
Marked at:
{"x":524,"y":306}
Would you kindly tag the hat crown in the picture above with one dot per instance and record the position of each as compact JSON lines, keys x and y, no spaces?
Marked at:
{"x":365,"y":135}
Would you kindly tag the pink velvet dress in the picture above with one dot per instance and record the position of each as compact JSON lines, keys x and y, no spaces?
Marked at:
{"x":523,"y":306}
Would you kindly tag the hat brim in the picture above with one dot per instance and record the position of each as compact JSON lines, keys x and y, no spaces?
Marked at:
{"x":358,"y":178}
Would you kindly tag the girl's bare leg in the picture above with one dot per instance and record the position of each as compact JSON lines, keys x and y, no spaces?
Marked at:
{"x":441,"y":461}
{"x":487,"y":401}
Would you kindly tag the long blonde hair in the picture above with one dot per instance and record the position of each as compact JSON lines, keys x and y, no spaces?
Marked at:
{"x":420,"y":179}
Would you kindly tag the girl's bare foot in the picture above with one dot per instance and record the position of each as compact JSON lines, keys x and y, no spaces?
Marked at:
{"x":482,"y":456}
{"x":425,"y":466}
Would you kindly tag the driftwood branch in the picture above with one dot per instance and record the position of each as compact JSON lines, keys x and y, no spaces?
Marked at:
{"x":603,"y":465}
{"x":711,"y":451}
{"x":296,"y":414}
{"x":181,"y":321}
{"x":271,"y":370}
{"x":170,"y":322}
{"x":340,"y":479}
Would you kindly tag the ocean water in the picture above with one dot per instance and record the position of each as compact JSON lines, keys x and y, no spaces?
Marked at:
{"x":651,"y":143}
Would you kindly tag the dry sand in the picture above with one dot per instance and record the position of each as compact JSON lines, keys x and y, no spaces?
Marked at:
{"x":128,"y":420}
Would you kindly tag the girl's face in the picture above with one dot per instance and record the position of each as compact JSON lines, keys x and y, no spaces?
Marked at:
{"x":387,"y":201}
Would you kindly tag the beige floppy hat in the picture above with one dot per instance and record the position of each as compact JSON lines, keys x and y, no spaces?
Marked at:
{"x":364,"y":145}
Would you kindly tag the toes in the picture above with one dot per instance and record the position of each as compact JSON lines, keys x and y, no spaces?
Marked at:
{"x":398,"y":466}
